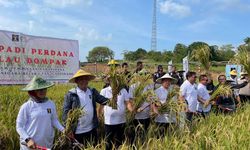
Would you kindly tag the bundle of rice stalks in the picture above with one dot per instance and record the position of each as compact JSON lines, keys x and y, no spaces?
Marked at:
{"x":139,"y":94}
{"x":202,"y":54}
{"x":64,"y":141}
{"x":243,"y":58}
{"x":142,"y":78}
{"x":171,"y":104}
{"x":222,"y":90}
{"x":117,"y":81}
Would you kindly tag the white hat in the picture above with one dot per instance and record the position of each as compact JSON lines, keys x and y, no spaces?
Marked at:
{"x":243,"y":73}
{"x":166,"y":76}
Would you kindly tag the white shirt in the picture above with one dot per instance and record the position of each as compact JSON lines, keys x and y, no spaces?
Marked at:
{"x":162,"y":94}
{"x":235,"y":91}
{"x":145,"y":106}
{"x":190,"y":93}
{"x":37,"y":121}
{"x":204,"y":94}
{"x":85,"y":122}
{"x":115,"y":116}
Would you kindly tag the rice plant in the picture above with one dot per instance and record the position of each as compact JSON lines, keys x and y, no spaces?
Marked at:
{"x":222,"y":90}
{"x":64,"y":141}
{"x":118,"y":81}
{"x":201,"y":53}
{"x":243,"y":58}
{"x":171,"y":104}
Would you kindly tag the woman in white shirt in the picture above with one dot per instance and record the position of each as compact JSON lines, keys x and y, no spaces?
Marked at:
{"x":164,"y":120}
{"x":37,"y":117}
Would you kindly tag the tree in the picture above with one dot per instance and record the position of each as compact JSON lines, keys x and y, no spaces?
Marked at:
{"x":247,"y":40}
{"x":180,"y":51}
{"x":195,"y":45}
{"x":100,"y":54}
{"x":136,"y":55}
{"x":154,"y":55}
{"x":214,"y":52}
{"x":167,"y":55}
{"x":225,"y":52}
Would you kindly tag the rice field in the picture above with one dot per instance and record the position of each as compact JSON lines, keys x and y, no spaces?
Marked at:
{"x":216,"y":132}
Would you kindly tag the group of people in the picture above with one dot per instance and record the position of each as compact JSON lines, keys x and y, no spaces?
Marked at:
{"x":37,"y":117}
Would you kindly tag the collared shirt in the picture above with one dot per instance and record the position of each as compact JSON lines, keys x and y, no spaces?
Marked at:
{"x":246,"y":89}
{"x":145,"y":106}
{"x":115,"y":116}
{"x":190,"y":93}
{"x":204,"y":94}
{"x":85,"y":122}
{"x":37,"y":121}
{"x":235,"y":91}
{"x":162,"y":94}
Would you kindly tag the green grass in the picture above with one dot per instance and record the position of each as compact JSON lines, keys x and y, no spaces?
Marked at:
{"x":217,"y":132}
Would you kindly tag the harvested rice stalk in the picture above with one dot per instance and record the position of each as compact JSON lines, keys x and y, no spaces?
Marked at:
{"x":222,"y":90}
{"x":243,"y":58}
{"x":64,"y":142}
{"x":171,"y":104}
{"x":118,"y":81}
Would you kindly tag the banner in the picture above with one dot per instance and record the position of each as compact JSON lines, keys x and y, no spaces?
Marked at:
{"x":170,"y":65}
{"x":185,"y":65}
{"x":24,"y":56}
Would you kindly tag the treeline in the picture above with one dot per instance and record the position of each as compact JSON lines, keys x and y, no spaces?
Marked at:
{"x":223,"y":53}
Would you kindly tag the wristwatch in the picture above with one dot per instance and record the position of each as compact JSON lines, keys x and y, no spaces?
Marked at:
{"x":27,"y":140}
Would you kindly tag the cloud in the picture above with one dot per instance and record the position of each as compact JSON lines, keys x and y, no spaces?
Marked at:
{"x":174,"y":9}
{"x":90,"y":34}
{"x":203,"y":24}
{"x":66,"y":3}
{"x":7,"y":4}
{"x":232,"y":5}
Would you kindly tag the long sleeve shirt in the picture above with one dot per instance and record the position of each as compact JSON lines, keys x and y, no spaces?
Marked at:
{"x":37,"y":121}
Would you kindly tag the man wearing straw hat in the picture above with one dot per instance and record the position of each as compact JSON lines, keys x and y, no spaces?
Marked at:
{"x":37,"y":117}
{"x":83,"y":96}
{"x":166,"y":119}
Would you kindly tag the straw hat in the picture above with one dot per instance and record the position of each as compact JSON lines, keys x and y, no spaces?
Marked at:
{"x":113,"y":62}
{"x":81,"y":73}
{"x":243,"y":73}
{"x":233,"y":72}
{"x":37,"y":83}
{"x":166,"y":76}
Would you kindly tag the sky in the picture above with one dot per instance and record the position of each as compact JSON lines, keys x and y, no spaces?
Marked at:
{"x":126,"y":24}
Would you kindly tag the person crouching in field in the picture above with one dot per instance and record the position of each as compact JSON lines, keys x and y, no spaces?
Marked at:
{"x":203,"y":96}
{"x":165,"y":120}
{"x":37,"y":117}
{"x":84,"y":97}
{"x":115,"y":119}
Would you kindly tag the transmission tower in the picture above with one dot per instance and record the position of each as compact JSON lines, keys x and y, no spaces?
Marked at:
{"x":154,"y":29}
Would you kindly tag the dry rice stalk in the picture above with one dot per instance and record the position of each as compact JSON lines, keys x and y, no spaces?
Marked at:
{"x":171,"y":104}
{"x":64,"y":142}
{"x":222,"y":90}
{"x":118,"y":81}
{"x":140,"y":96}
{"x":243,"y":58}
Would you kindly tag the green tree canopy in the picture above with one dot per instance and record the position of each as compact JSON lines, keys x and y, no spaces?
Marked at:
{"x":180,"y":51}
{"x":100,"y":54}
